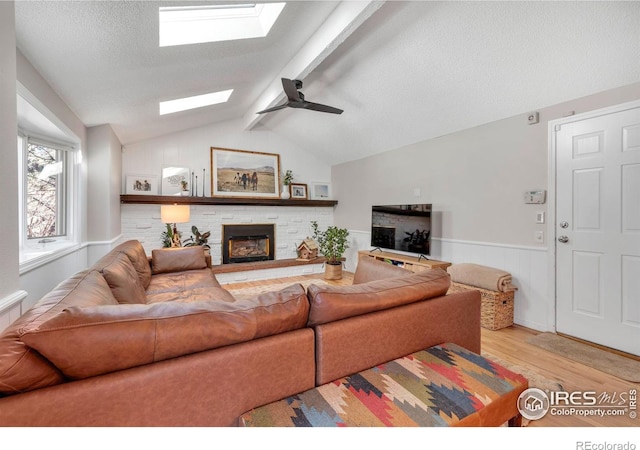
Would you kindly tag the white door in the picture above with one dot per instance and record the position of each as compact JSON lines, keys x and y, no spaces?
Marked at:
{"x":598,"y":229}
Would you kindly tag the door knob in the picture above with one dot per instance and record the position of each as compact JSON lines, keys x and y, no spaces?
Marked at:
{"x":563,"y":239}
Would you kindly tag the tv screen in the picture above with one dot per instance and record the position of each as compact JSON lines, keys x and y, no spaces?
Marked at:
{"x":405,"y":228}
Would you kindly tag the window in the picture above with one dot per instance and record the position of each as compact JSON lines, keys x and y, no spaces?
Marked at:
{"x":198,"y":101}
{"x":46,"y":176}
{"x":212,"y":23}
{"x":45,"y":194}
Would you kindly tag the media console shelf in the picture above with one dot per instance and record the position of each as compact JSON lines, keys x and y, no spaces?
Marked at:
{"x":412,"y":263}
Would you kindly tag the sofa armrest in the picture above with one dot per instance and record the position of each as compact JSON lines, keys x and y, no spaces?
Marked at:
{"x":350,"y":345}
{"x":370,"y":269}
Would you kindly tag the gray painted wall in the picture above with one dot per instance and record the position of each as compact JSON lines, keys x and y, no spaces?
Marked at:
{"x":8,"y":149}
{"x":475,"y":178}
{"x":104,"y":162}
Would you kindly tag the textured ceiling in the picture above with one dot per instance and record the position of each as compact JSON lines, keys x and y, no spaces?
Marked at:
{"x":412,"y":71}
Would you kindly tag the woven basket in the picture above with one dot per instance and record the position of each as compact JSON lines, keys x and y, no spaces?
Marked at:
{"x":497,"y":307}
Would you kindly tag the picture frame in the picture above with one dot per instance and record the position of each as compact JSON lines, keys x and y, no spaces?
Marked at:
{"x":298,"y":191}
{"x":176,"y":180}
{"x":320,"y":190}
{"x":141,"y":185}
{"x":244,"y":173}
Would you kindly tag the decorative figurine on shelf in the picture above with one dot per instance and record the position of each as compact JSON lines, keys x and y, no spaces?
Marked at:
{"x":171,"y":237}
{"x":307,"y":250}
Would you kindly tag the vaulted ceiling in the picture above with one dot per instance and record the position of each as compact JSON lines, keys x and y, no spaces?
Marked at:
{"x":403,"y":71}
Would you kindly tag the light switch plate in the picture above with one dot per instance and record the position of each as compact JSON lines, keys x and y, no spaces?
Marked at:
{"x":536,"y":197}
{"x":540,"y":217}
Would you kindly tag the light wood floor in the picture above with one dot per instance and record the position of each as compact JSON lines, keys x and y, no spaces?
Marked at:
{"x":510,"y":344}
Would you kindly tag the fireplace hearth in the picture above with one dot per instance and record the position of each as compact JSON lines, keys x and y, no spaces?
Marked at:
{"x":248,"y":243}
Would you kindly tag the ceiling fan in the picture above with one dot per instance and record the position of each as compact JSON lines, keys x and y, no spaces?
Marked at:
{"x":295,"y":99}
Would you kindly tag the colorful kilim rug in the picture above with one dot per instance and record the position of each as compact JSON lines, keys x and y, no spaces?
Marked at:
{"x":439,"y":386}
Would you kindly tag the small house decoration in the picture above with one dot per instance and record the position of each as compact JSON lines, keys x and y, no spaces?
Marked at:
{"x":307,"y":250}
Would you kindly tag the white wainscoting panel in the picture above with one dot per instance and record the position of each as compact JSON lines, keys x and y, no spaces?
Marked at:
{"x":529,"y":267}
{"x":11,"y":308}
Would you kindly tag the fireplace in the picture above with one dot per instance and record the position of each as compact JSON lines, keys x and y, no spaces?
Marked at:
{"x":248,"y":243}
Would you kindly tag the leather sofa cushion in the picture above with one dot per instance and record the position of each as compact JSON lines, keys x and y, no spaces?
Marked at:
{"x":370,"y":269}
{"x":187,"y":286}
{"x":331,"y":303}
{"x":216,"y":294}
{"x":23,"y":369}
{"x":88,"y":341}
{"x":122,"y":278}
{"x":178,"y":259}
{"x":138,"y":257}
{"x":179,"y":281}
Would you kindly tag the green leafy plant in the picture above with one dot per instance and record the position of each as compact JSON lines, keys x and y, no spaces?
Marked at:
{"x":198,"y":238}
{"x":287,"y":177}
{"x":168,"y":237}
{"x":332,"y":242}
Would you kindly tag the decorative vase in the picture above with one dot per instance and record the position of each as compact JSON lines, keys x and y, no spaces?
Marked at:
{"x":285,"y":193}
{"x":333,"y":271}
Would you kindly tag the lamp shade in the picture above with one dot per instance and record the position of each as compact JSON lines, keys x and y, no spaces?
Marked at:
{"x":175,"y":213}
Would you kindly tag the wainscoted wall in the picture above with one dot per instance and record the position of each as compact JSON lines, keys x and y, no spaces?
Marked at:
{"x":11,"y":308}
{"x":142,"y":222}
{"x":42,"y":279}
{"x":529,"y":266}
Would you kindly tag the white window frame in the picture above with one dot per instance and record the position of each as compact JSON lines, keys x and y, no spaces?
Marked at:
{"x":33,"y":255}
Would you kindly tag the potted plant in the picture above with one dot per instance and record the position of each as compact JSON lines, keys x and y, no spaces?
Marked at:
{"x":332,"y":243}
{"x":198,"y":239}
{"x":171,"y":238}
{"x":287,"y":178}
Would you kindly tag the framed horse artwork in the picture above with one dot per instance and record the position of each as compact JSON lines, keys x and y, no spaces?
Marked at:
{"x":243,"y":173}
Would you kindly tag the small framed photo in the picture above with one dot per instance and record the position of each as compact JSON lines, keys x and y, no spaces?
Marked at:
{"x":141,"y":185}
{"x":175,"y":181}
{"x":299,"y":191}
{"x":320,"y":190}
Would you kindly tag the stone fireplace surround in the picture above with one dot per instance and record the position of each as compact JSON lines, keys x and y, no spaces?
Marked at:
{"x":292,"y":224}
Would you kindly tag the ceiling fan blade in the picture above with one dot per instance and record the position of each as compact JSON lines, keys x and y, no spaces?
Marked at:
{"x":322,"y":108}
{"x":290,"y":89}
{"x":274,"y":108}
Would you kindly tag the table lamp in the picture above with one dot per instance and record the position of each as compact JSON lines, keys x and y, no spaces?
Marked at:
{"x":173,"y":214}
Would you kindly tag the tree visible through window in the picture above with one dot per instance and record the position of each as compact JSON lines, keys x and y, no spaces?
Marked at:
{"x":45,"y":191}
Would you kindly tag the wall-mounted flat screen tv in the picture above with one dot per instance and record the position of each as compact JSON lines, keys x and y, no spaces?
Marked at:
{"x":405,"y":228}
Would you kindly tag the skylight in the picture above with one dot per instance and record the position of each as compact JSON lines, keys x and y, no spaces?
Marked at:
{"x":197,"y":24}
{"x":197,"y":101}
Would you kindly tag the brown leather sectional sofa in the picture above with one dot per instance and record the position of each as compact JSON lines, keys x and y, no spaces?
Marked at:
{"x":138,"y":341}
